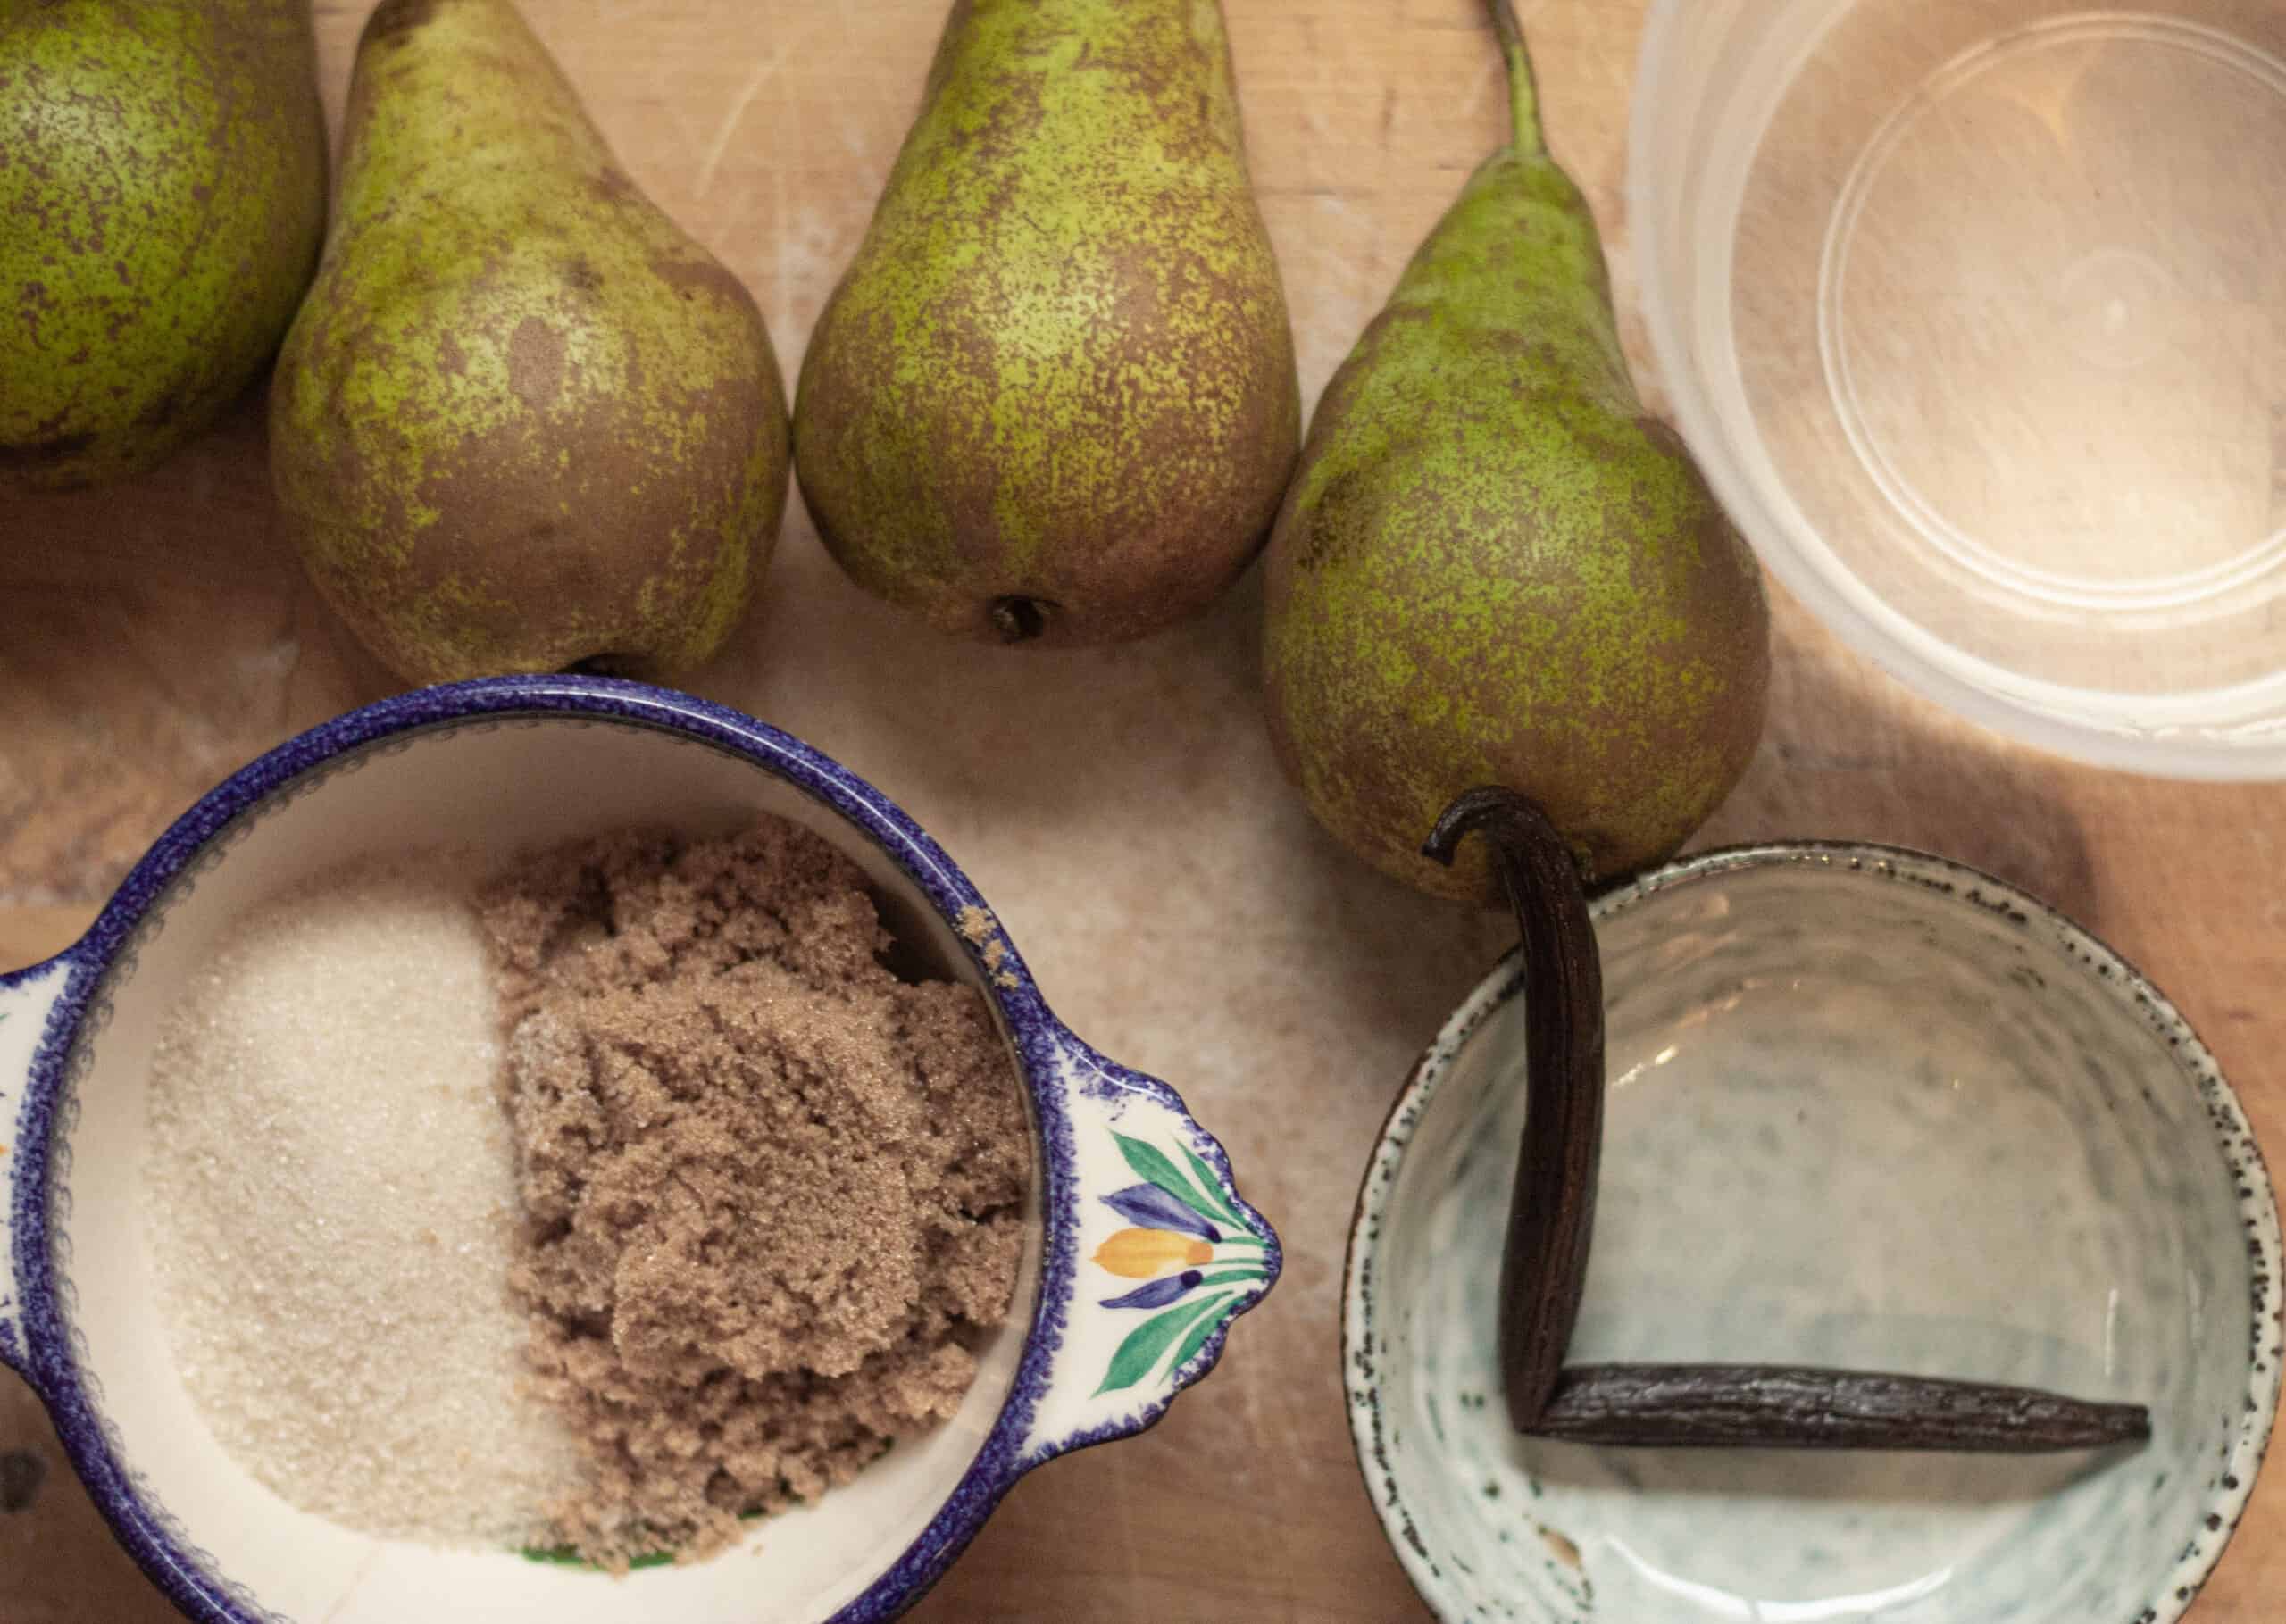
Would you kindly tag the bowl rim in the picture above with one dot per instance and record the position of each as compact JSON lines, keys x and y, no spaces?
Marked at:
{"x":2040,"y":713}
{"x":1965,"y":886}
{"x":50,"y":1358}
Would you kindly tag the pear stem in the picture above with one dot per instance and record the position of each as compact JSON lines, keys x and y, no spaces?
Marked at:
{"x":1523,"y":89}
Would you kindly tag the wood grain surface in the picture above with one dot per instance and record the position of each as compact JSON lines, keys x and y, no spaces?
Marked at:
{"x":1119,"y":808}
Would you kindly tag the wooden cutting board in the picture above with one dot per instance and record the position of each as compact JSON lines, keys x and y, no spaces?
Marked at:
{"x":1120,"y":808}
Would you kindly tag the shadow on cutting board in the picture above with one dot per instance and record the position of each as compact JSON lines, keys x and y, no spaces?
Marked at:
{"x":1851,"y":754}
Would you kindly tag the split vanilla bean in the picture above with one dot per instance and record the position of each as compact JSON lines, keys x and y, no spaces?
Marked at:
{"x":1551,"y":1224}
{"x":1552,"y":1215}
{"x":1718,"y":1406}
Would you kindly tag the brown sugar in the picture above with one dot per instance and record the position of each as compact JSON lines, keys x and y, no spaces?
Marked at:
{"x":774,"y":1193}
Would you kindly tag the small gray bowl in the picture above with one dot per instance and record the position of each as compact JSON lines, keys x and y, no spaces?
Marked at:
{"x":1867,"y":1109}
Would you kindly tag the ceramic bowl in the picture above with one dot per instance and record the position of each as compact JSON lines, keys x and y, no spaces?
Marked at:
{"x":505,"y":764}
{"x":1866,"y":1108}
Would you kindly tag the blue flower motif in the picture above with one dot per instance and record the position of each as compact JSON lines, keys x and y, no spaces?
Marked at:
{"x":1158,"y":1294}
{"x":1153,"y":1208}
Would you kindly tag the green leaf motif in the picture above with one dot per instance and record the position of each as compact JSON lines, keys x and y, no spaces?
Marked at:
{"x":1234,"y":1273}
{"x":1139,"y":1355}
{"x":1196,"y":1340}
{"x":1211,"y":1184}
{"x":1152,"y":1165}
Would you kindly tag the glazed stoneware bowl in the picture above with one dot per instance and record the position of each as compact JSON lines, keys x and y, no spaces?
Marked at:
{"x":1865,"y":1109}
{"x":1109,"y":1325}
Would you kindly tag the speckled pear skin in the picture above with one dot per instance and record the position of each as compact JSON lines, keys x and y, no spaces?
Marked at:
{"x":524,"y":422}
{"x":162,"y":199}
{"x":1494,"y":567}
{"x":1058,"y":378}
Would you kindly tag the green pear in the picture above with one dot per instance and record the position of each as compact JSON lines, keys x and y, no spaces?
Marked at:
{"x":1496,"y":568}
{"x":1054,"y":398}
{"x":524,"y":422}
{"x":162,"y":204}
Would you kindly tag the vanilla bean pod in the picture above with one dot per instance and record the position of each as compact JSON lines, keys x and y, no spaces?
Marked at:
{"x":1714,"y":1406}
{"x":1551,"y":1223}
{"x":1544,"y":1266}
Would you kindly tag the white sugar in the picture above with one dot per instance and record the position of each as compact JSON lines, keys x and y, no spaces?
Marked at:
{"x":333,"y":1207}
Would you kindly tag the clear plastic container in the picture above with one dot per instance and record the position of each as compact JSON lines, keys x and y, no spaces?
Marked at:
{"x":1974,"y":311}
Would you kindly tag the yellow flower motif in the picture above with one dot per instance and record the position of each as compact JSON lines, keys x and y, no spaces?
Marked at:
{"x":1138,"y":1254}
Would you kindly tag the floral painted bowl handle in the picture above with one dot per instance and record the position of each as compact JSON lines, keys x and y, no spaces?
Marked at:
{"x":26,"y":998}
{"x":1151,"y":1247}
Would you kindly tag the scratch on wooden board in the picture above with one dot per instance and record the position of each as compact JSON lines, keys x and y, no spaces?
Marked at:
{"x":782,"y":229}
{"x":763,"y":73}
{"x":1129,"y":1548}
{"x":1487,"y":78}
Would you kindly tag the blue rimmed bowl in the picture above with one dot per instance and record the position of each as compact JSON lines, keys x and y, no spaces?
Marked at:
{"x":1141,"y":1251}
{"x":1865,"y":1109}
